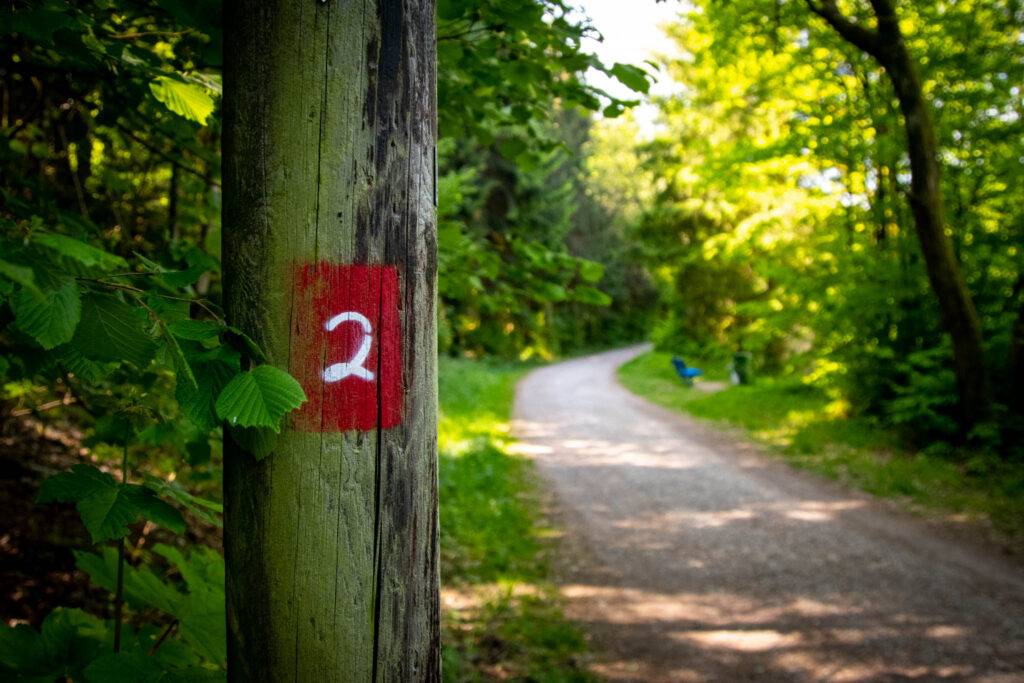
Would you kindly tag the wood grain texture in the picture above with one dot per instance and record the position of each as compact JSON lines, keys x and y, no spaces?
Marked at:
{"x":332,"y":542}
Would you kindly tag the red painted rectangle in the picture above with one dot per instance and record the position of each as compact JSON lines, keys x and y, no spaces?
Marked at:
{"x":346,"y":347}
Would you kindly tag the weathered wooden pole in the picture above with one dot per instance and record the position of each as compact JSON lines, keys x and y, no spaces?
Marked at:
{"x":330,"y":265}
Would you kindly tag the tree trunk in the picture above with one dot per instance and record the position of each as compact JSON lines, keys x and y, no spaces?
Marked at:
{"x":886,"y":44}
{"x":330,"y":265}
{"x":947,"y":280}
{"x":1015,"y":397}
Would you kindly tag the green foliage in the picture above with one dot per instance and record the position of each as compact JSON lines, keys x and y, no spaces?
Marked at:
{"x":185,"y":99}
{"x":201,"y":507}
{"x":70,"y":639}
{"x":110,"y":315}
{"x":492,"y":538}
{"x":502,"y":62}
{"x":107,"y":506}
{"x":51,"y":315}
{"x":259,"y":398}
{"x":111,"y":331}
{"x":77,"y":645}
{"x":109,"y":283}
{"x":780,"y":222}
{"x":199,"y":609}
{"x":512,"y":278}
{"x":527,"y":258}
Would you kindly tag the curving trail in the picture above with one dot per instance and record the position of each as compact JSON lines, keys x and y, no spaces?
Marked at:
{"x":695,"y":559}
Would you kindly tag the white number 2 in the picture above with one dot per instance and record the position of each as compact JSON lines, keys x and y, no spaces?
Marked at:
{"x":354,"y":366}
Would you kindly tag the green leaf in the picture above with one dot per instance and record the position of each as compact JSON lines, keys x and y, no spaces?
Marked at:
{"x":149,"y":505}
{"x":142,"y":588}
{"x":591,"y":271}
{"x":203,"y":626}
{"x":200,"y":506}
{"x":110,"y":428}
{"x":185,"y":99}
{"x":613,"y":110}
{"x":590,"y":295}
{"x":196,"y":674}
{"x":512,"y":148}
{"x":38,"y":23}
{"x":107,"y":514}
{"x":201,"y":613}
{"x":198,"y":452}
{"x":70,"y":487}
{"x":21,"y":649}
{"x":20,"y":275}
{"x":69,"y":640}
{"x":258,"y":441}
{"x":259,"y":398}
{"x":202,"y":569}
{"x":181,"y":365}
{"x":245,"y":344}
{"x":106,"y":506}
{"x":76,"y":250}
{"x":80,"y":366}
{"x":449,"y":10}
{"x":633,"y":77}
{"x":551,"y":291}
{"x":124,"y":667}
{"x":183,"y":278}
{"x":195,"y":330}
{"x":212,"y":374}
{"x":52,"y":319}
{"x":109,"y":331}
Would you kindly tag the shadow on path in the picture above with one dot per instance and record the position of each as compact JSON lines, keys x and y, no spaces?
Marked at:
{"x":694,"y":558}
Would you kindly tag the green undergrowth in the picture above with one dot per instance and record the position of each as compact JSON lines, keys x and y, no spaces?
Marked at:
{"x":501,"y":612}
{"x":811,"y":431}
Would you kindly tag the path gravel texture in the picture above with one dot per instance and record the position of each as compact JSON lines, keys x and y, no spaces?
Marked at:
{"x":694,"y":557}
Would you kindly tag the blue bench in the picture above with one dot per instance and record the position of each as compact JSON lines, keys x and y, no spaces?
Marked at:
{"x":685,"y":373}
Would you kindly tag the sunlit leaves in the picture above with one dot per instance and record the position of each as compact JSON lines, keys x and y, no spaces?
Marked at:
{"x":501,"y":63}
{"x":185,"y":99}
{"x":591,"y":271}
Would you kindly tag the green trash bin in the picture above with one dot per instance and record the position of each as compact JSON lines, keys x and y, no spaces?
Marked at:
{"x":741,"y":368}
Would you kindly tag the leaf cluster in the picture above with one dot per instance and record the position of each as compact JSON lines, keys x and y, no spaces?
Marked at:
{"x":783,"y":221}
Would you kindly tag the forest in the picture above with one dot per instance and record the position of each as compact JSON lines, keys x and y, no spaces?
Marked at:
{"x":833,"y":189}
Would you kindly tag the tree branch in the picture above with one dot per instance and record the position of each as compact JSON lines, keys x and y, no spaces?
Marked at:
{"x":132,"y":36}
{"x":852,"y":32}
{"x":888,"y":24}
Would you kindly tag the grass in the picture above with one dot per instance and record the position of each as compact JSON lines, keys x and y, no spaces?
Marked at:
{"x":812,"y":432}
{"x":501,"y":612}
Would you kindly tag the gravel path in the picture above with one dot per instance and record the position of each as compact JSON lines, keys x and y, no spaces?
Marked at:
{"x":695,"y":559}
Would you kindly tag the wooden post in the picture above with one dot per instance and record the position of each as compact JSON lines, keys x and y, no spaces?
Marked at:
{"x":330,"y":265}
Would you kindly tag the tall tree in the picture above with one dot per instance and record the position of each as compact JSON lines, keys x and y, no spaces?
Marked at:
{"x":886,"y":44}
{"x":330,"y":266}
